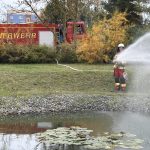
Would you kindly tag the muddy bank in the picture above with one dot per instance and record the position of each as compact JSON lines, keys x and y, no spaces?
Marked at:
{"x":72,"y":103}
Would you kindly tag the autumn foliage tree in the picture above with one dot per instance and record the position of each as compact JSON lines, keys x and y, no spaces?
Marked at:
{"x":103,"y":38}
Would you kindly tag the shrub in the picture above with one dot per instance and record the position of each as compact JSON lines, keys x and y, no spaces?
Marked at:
{"x":137,"y":31}
{"x":26,"y":54}
{"x":103,"y":38}
{"x":66,"y":53}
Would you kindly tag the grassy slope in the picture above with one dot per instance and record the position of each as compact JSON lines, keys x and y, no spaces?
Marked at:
{"x":44,"y":79}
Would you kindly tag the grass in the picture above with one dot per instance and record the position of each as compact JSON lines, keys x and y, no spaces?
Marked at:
{"x":46,"y":79}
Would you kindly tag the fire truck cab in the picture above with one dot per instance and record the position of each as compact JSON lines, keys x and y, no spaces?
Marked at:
{"x":74,"y":31}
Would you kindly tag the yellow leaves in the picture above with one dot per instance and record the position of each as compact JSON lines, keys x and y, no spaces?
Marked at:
{"x":103,"y":37}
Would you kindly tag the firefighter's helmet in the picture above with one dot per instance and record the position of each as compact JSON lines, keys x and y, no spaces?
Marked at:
{"x":121,"y":45}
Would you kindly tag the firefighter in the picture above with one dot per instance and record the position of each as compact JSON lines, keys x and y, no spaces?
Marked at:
{"x":119,"y":71}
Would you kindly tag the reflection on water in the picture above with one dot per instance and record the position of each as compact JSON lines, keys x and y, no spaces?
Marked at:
{"x":17,"y":142}
{"x":17,"y":133}
{"x":58,"y":147}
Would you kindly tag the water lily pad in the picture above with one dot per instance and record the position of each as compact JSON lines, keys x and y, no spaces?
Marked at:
{"x":81,"y":137}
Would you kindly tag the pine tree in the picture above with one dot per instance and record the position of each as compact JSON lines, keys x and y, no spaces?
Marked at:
{"x":55,"y":11}
{"x":131,"y":7}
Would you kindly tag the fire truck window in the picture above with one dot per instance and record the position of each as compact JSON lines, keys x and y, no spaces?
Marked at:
{"x":79,"y":29}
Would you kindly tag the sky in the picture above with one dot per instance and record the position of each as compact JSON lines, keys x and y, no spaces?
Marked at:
{"x":7,"y":2}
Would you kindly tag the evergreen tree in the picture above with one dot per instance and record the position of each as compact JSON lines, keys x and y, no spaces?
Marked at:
{"x":55,"y":11}
{"x":131,"y":7}
{"x":74,"y":10}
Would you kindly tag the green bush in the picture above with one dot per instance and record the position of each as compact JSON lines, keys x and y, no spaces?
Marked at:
{"x":66,"y":53}
{"x":26,"y":54}
{"x":137,"y":31}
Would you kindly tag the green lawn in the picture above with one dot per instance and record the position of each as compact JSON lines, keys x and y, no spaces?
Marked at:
{"x":45,"y":79}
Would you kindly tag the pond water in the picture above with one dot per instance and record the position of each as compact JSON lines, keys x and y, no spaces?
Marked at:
{"x":18,"y":133}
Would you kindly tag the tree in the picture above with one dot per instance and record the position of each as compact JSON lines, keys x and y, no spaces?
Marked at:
{"x":55,"y":11}
{"x":103,"y":38}
{"x":92,"y":11}
{"x":75,"y":10}
{"x":131,"y":7}
{"x":63,"y":9}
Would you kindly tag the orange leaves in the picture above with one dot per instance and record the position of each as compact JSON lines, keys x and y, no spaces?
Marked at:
{"x":103,"y":38}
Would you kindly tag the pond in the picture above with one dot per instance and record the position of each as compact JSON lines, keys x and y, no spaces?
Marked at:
{"x":18,"y":133}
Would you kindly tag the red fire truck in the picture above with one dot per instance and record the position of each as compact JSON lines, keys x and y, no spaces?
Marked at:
{"x":42,"y":34}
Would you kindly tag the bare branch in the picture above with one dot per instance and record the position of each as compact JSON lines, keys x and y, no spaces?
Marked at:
{"x":34,"y":11}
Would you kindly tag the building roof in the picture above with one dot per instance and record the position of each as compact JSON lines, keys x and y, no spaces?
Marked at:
{"x":19,"y":12}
